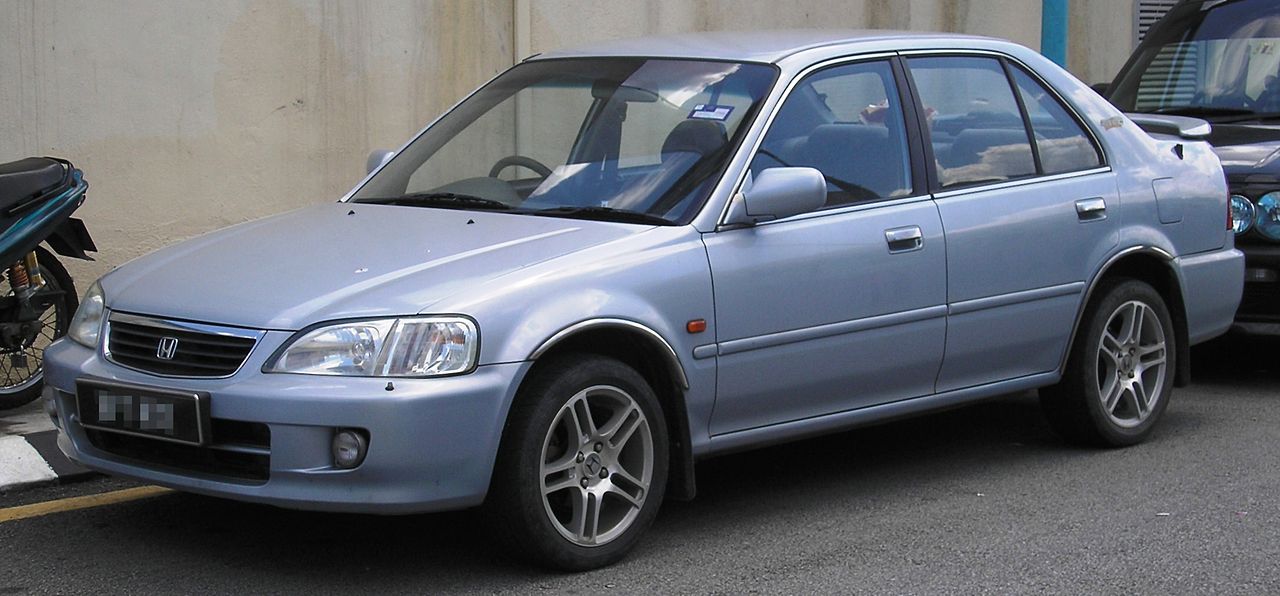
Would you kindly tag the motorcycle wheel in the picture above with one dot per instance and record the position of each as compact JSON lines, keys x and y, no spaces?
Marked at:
{"x":22,"y":370}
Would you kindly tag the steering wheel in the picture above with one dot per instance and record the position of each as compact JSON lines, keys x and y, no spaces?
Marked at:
{"x":519,"y":160}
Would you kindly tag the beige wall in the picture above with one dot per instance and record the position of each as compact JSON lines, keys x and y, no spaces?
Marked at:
{"x":1101,"y":36}
{"x":554,"y":23}
{"x":189,"y":115}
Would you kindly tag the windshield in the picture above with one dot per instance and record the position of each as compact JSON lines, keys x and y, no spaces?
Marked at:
{"x":1216,"y":60}
{"x":627,"y":139}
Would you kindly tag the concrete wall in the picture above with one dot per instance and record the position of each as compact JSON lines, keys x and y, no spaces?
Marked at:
{"x":548,"y":23}
{"x":189,"y":115}
{"x":1100,"y":38}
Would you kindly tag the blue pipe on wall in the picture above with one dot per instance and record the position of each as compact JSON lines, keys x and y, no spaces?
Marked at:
{"x":1053,"y":31}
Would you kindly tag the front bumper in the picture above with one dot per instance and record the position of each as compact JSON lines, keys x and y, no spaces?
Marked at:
{"x":1259,"y":311}
{"x":432,"y":442}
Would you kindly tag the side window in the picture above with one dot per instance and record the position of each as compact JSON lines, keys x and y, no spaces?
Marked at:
{"x":974,"y":122}
{"x":847,"y":122}
{"x":1061,"y":142}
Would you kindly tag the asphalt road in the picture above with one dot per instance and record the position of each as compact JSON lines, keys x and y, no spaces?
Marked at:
{"x":983,"y":499}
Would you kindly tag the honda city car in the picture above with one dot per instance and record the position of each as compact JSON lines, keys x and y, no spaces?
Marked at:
{"x":609,"y":263}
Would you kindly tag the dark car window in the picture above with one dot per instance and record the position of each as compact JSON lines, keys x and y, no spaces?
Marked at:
{"x":975,"y":125}
{"x":1060,"y":140}
{"x":1216,"y":59}
{"x":847,"y":122}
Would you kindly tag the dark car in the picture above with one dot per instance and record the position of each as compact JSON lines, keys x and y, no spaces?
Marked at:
{"x":1220,"y":61}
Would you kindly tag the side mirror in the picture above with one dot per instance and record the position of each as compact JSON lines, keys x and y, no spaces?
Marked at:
{"x":1101,"y":88}
{"x":377,"y":157}
{"x":779,"y":193}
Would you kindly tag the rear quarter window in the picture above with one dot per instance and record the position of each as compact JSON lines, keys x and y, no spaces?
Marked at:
{"x":1062,"y":142}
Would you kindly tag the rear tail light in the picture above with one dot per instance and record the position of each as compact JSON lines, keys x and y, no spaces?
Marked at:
{"x":1230,"y":216}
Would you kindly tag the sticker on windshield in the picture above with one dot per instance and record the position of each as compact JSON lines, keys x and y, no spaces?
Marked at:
{"x":706,"y":111}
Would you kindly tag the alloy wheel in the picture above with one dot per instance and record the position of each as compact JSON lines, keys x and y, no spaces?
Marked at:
{"x":1132,"y":358}
{"x":596,"y":465}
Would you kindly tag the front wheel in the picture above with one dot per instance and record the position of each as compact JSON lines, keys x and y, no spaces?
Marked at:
{"x":1119,"y":375}
{"x":583,"y":464}
{"x":22,"y":343}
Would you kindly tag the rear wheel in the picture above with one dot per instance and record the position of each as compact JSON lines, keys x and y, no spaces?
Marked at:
{"x":22,"y":344}
{"x":1119,"y":375}
{"x":583,"y":464}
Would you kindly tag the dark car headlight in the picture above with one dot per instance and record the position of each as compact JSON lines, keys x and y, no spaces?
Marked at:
{"x":1267,"y":219}
{"x":1242,"y":214}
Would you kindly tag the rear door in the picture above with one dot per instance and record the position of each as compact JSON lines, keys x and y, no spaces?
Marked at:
{"x":844,"y":307}
{"x":1029,"y":210}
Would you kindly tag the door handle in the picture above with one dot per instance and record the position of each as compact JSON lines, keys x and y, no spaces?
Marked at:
{"x":1091,"y":209}
{"x":904,"y":239}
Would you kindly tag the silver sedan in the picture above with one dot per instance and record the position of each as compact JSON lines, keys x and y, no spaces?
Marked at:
{"x":611,"y":262}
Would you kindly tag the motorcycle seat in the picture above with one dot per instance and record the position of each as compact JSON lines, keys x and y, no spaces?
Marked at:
{"x":23,"y":179}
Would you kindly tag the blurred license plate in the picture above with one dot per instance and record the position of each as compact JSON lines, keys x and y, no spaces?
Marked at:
{"x":169,"y":415}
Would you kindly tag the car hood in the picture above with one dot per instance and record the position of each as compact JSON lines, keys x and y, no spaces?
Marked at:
{"x":340,"y":261}
{"x":1247,"y":149}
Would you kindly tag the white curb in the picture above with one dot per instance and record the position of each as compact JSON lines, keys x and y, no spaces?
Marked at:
{"x":29,"y":454}
{"x":21,"y":464}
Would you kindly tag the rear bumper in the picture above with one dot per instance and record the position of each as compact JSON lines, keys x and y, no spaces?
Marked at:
{"x":1211,"y":290}
{"x":432,"y":442}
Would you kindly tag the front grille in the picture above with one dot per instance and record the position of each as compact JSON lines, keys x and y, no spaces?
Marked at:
{"x":241,"y":451}
{"x":136,"y":343}
{"x":1261,"y":302}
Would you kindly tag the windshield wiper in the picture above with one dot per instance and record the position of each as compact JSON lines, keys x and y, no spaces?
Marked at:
{"x":447,"y":200}
{"x":1202,"y":111}
{"x":605,"y":213}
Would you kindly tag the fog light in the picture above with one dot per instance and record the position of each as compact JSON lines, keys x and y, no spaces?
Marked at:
{"x":349,"y":447}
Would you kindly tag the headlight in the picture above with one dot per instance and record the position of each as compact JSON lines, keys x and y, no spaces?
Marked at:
{"x":86,"y":325}
{"x":405,"y":347}
{"x":1268,"y":218}
{"x":1242,"y":214}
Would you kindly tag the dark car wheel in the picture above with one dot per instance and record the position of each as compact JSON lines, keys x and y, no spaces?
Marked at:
{"x":1119,"y":375}
{"x":22,"y":361}
{"x":583,"y":464}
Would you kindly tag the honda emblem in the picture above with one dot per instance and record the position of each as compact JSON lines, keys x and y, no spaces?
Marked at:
{"x":167,"y":347}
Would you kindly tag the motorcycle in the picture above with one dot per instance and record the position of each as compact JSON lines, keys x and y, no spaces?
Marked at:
{"x":37,"y":197}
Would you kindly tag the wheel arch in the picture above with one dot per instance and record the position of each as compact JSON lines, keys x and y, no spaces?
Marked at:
{"x":1155,"y":267}
{"x":645,"y":350}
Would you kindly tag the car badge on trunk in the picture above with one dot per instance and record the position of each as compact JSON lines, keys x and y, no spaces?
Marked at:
{"x":168,"y":346}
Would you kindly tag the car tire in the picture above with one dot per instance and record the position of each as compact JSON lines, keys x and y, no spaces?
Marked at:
{"x":1120,"y":373}
{"x":582,"y":468}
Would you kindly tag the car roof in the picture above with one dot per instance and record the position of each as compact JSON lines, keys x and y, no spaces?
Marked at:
{"x":751,"y":46}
